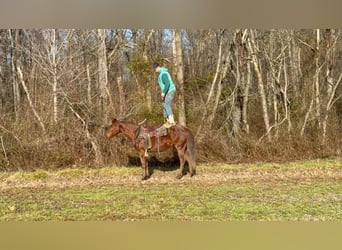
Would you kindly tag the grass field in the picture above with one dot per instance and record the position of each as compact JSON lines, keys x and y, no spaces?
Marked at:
{"x":299,"y":191}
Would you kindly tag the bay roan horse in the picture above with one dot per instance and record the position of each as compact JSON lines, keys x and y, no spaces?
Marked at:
{"x":178,"y":136}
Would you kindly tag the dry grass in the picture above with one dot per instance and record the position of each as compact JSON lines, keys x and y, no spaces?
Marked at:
{"x":298,"y":191}
{"x":320,"y":170}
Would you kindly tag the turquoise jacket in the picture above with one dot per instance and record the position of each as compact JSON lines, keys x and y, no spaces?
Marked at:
{"x":165,"y":81}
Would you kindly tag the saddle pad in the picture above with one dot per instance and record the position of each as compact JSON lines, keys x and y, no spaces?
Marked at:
{"x":161,"y":131}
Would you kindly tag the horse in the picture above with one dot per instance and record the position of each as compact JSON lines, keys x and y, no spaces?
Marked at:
{"x":177,"y":136}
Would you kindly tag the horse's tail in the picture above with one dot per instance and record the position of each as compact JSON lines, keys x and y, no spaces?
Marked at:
{"x":190,"y":154}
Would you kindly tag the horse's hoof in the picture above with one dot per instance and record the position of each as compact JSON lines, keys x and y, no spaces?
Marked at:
{"x":179,"y":176}
{"x":144,"y":178}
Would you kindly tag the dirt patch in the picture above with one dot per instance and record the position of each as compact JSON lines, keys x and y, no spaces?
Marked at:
{"x":204,"y":177}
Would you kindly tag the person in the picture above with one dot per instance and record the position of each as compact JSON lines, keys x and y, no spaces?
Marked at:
{"x":168,"y":89}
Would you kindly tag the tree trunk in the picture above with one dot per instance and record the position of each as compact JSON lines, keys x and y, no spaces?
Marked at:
{"x":98,"y":154}
{"x":29,"y":99}
{"x":236,"y":97}
{"x":88,"y":85}
{"x":103,"y":79}
{"x":178,"y":56}
{"x":15,"y":84}
{"x":331,"y":87}
{"x":121,"y":94}
{"x":287,"y":115}
{"x":329,"y":104}
{"x":316,"y":80}
{"x":306,"y":118}
{"x":273,"y":78}
{"x":243,"y":75}
{"x":245,"y":95}
{"x":53,"y":51}
{"x":253,"y":51}
{"x":278,"y":68}
{"x":209,"y":102}
{"x":222,"y":75}
{"x":294,"y":59}
{"x":148,"y":92}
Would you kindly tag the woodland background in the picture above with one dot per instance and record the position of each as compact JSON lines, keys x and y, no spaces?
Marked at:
{"x":247,"y":94}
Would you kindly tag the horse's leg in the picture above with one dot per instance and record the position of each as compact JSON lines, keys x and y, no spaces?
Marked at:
{"x":190,"y":154}
{"x":190,"y":163}
{"x":180,"y":151}
{"x":144,"y":165}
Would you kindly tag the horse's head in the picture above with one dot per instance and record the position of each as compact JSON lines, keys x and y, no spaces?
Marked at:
{"x":113,"y":129}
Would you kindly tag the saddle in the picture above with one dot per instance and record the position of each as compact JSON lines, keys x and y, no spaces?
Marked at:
{"x":147,"y":132}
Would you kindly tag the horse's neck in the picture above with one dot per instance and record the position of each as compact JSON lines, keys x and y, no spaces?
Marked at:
{"x":129,"y":130}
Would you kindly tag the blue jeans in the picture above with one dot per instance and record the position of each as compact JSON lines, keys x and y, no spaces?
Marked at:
{"x":167,"y":104}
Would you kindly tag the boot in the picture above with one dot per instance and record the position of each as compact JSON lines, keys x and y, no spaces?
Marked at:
{"x":172,"y":120}
{"x":166,"y":123}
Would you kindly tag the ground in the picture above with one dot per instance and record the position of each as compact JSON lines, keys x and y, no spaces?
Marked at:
{"x":305,"y":191}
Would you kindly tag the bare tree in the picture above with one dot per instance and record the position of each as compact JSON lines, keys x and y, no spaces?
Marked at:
{"x":102,"y":69}
{"x":242,"y":74}
{"x":210,"y":107}
{"x":178,"y":59}
{"x":331,"y":84}
{"x":148,"y":94}
{"x":234,"y":85}
{"x":294,"y":53}
{"x":253,"y":48}
{"x":15,"y":85}
{"x":39,"y":119}
{"x":53,"y":52}
{"x":278,"y":79}
{"x":316,"y":78}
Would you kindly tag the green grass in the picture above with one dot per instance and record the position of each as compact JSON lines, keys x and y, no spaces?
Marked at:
{"x":309,"y":200}
{"x":318,"y":163}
